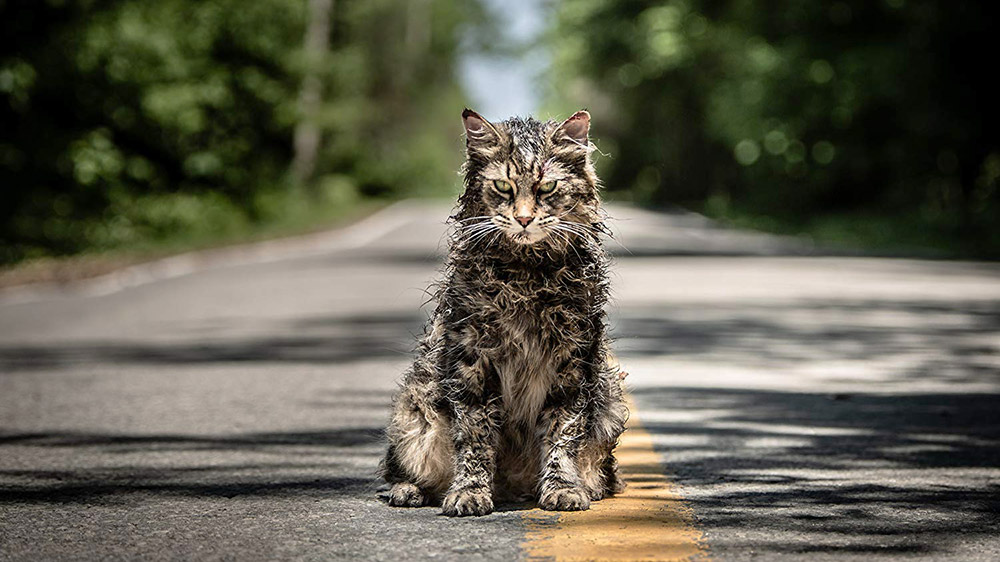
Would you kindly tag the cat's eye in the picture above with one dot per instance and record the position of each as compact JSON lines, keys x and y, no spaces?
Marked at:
{"x":503,"y":186}
{"x":547,"y":187}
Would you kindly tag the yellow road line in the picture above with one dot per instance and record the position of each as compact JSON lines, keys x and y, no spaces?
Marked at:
{"x":648,"y":521}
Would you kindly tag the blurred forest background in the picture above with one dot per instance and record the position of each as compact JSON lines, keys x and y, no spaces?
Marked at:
{"x":863,"y":123}
{"x":128,"y":125}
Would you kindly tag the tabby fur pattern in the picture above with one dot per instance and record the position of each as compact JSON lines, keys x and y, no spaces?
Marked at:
{"x":514,"y":394}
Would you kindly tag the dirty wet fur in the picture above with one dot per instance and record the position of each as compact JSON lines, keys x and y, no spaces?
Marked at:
{"x":514,"y":395}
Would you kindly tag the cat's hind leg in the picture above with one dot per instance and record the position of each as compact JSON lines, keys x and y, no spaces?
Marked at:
{"x":613,"y":482}
{"x":419,"y":461}
{"x":593,"y":476}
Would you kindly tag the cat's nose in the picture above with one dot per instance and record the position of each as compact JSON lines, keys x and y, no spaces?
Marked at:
{"x":525,"y":221}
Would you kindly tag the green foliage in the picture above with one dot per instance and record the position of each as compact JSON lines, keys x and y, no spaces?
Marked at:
{"x":792,"y":109}
{"x":124,"y":121}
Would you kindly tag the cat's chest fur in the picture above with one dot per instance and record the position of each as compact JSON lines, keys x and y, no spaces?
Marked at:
{"x":526,"y":367}
{"x":532,"y":322}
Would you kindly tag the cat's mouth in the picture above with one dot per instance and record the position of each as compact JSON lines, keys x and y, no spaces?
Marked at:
{"x":526,"y":236}
{"x":518,"y":234}
{"x":523,"y":237}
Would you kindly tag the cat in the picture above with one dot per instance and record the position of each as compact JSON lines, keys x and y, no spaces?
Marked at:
{"x":514,"y":394}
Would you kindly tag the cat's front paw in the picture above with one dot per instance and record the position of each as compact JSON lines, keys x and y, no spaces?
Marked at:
{"x":565,"y":499}
{"x":467,"y":501}
{"x":405,"y":494}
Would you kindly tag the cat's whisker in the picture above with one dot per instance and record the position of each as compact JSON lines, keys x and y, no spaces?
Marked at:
{"x":575,"y":228}
{"x":589,"y":234}
{"x":474,"y":218}
{"x":603,"y":229}
{"x":567,"y":231}
{"x":483,"y":233}
{"x":566,"y":241}
{"x":495,"y":238}
{"x":480,"y":220}
{"x":562,"y":235}
{"x":473,"y":240}
{"x":468,"y":229}
{"x":472,"y":230}
{"x":570,"y":210}
{"x":477,"y":228}
{"x":485,"y":236}
{"x":555,"y":234}
{"x":624,"y":247}
{"x":574,"y":224}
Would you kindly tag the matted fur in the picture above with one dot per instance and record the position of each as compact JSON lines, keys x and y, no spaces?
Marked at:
{"x":512,"y":395}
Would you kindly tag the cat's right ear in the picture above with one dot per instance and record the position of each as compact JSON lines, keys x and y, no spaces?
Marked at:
{"x":478,"y":131}
{"x":575,"y":129}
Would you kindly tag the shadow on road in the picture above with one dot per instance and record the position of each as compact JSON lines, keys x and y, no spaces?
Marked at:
{"x":954,"y":338}
{"x":955,"y":341}
{"x":902,"y":458}
{"x":97,"y":468}
{"x":129,"y":487}
{"x":855,"y":473}
{"x":257,"y":441}
{"x":316,"y":340}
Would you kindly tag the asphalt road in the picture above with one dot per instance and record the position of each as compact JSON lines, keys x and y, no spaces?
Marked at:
{"x":229,"y":405}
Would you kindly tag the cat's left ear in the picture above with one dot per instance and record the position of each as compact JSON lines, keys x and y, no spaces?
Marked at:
{"x":575,"y":129}
{"x":478,"y":131}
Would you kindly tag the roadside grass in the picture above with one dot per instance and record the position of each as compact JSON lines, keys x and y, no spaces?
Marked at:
{"x":151,"y":228}
{"x":874,"y":233}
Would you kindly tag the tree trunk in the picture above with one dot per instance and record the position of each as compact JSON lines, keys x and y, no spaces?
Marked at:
{"x":307,"y":132}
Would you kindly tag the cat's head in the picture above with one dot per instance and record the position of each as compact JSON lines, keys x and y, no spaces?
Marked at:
{"x":528,"y":183}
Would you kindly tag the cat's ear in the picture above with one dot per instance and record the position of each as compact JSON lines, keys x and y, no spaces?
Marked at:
{"x":478,"y":131}
{"x":574,"y":129}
